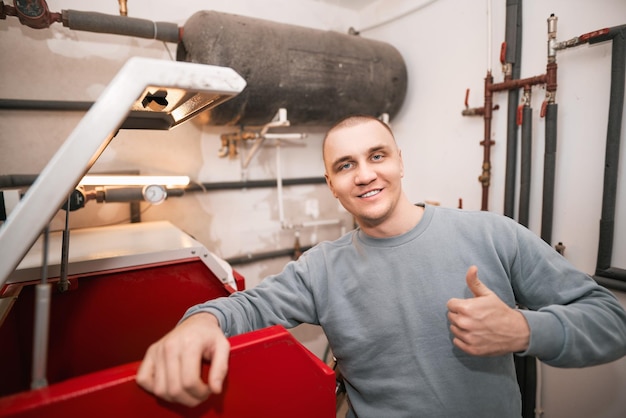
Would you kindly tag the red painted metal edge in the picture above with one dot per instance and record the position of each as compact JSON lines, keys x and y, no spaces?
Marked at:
{"x":270,"y":374}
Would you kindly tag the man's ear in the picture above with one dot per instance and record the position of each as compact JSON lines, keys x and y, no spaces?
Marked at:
{"x":330,"y":184}
{"x":401,"y":164}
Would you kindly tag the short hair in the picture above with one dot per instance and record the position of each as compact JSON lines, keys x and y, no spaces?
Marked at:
{"x":354,"y":120}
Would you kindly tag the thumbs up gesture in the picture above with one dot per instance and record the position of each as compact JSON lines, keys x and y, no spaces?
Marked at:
{"x":484,"y":325}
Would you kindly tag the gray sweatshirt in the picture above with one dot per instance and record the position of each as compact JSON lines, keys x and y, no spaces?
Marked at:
{"x":382,"y":306}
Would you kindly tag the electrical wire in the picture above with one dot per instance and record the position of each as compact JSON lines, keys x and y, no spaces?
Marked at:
{"x":168,"y":51}
{"x":538,"y":398}
{"x":393,"y":18}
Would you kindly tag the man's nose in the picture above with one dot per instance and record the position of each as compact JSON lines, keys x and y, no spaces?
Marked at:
{"x":364,"y":174}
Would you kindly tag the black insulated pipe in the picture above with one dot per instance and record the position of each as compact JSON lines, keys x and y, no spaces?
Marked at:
{"x":525,"y":367}
{"x":16,"y":181}
{"x":549,"y":167}
{"x":513,"y":39}
{"x":609,"y":193}
{"x":253,"y":258}
{"x":11,"y":181}
{"x":125,"y":194}
{"x":120,"y":25}
{"x":61,"y":105}
{"x":525,"y":166}
{"x":253,"y":184}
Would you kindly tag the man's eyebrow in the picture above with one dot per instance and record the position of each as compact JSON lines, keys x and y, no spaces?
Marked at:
{"x":377,"y":148}
{"x":341,"y":160}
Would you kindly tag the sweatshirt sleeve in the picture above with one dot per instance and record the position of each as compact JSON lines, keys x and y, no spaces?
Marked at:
{"x":574,"y":322}
{"x":283,"y":299}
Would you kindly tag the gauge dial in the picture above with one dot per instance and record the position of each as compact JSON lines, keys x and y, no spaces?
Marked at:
{"x":155,"y":194}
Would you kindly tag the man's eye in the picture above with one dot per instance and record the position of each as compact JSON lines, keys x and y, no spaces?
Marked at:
{"x":345,"y":166}
{"x":377,"y":157}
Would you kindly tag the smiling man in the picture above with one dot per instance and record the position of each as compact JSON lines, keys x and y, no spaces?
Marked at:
{"x":364,"y":170}
{"x":414,"y":330}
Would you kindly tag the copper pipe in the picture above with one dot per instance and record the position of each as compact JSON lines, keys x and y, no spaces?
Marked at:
{"x":548,"y":79}
{"x":520,"y":83}
{"x":123,"y":8}
{"x":485,"y":177}
{"x":551,"y":77}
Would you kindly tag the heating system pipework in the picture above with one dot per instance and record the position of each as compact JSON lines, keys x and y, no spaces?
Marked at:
{"x":549,"y":110}
{"x":521,"y":115}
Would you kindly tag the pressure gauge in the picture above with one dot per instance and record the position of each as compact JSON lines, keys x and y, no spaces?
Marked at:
{"x":155,"y":194}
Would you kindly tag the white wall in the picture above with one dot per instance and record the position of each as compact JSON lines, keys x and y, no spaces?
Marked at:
{"x":445,"y":46}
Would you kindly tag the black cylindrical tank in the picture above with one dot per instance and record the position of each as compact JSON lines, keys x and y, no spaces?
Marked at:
{"x":318,"y":76}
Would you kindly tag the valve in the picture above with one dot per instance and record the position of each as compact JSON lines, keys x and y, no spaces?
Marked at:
{"x":77,"y":200}
{"x":32,"y":13}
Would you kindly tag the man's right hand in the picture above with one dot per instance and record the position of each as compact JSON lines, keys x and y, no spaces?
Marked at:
{"x":171,"y":367}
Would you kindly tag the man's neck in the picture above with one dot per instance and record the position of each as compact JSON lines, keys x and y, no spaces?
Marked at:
{"x":405,"y":217}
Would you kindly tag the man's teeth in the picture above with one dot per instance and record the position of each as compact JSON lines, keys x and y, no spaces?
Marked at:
{"x":372,"y":193}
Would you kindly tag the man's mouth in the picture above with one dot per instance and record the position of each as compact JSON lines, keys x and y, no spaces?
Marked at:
{"x":371,"y":193}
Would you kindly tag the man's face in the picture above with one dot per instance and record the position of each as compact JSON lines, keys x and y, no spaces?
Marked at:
{"x":364,"y":171}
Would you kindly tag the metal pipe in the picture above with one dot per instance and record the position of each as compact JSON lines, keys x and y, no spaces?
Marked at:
{"x":41,"y":320}
{"x":24,"y":180}
{"x":121,"y":25}
{"x":40,"y":335}
{"x":485,"y":177}
{"x":252,"y":184}
{"x":16,"y":181}
{"x":513,"y":58}
{"x":549,"y":167}
{"x":123,"y":8}
{"x":605,"y":35}
{"x":321,"y":222}
{"x":64,"y":105}
{"x":279,"y":187}
{"x":550,"y":111}
{"x":518,"y":84}
{"x":613,"y":277}
{"x":63,"y":284}
{"x":525,"y":160}
{"x":616,"y":109}
{"x":252,"y":258}
{"x":36,"y":15}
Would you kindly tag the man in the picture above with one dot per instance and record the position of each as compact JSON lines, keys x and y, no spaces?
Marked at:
{"x":414,"y":330}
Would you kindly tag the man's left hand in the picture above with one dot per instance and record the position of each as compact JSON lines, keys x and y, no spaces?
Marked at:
{"x":484,"y":325}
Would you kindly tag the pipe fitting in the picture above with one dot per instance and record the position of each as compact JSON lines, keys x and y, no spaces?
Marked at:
{"x":123,"y":8}
{"x":552,"y":21}
{"x":485,"y":177}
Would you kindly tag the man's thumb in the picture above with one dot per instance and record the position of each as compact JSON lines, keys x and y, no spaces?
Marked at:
{"x":474,"y":284}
